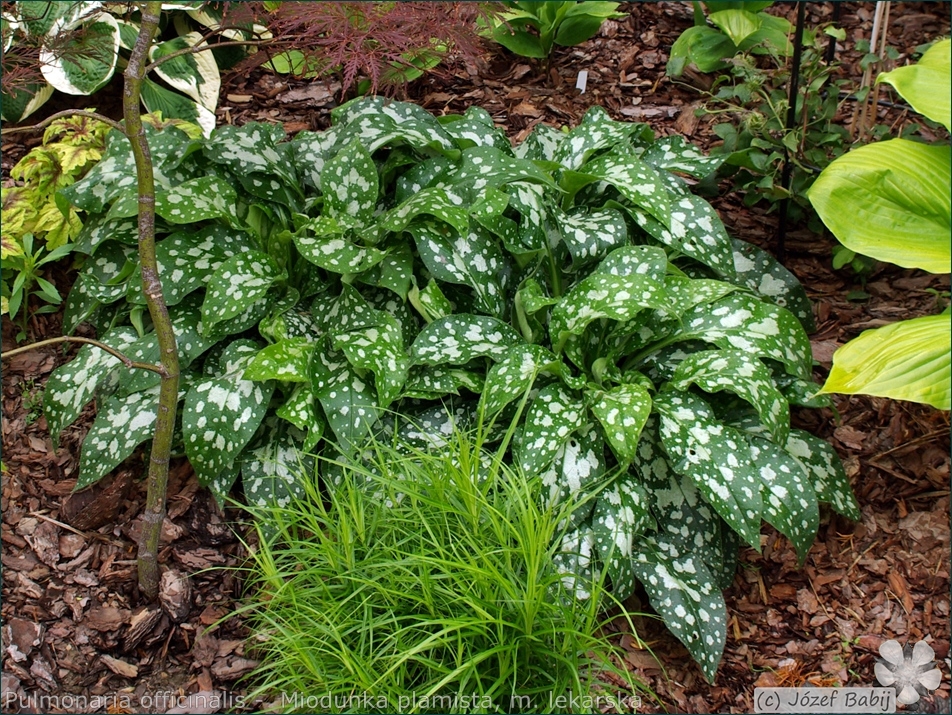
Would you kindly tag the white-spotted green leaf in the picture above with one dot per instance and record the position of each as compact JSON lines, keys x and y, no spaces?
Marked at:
{"x":528,"y":199}
{"x":457,"y":339}
{"x":620,"y":515}
{"x":716,"y":458}
{"x":790,"y":502}
{"x":590,"y":235}
{"x":433,"y":427}
{"x":206,"y":197}
{"x":553,"y":416}
{"x":487,"y":166}
{"x":195,"y":74}
{"x":349,"y":311}
{"x":825,"y":472}
{"x":82,"y":61}
{"x":430,"y":302}
{"x":513,"y":374}
{"x":603,"y":296}
{"x":635,"y":180}
{"x":350,"y":183}
{"x":469,"y":131}
{"x":695,"y":230}
{"x":673,"y":153}
{"x":429,"y":382}
{"x":310,"y":152}
{"x":575,"y":474}
{"x":378,"y":348}
{"x":596,"y":131}
{"x":431,"y":172}
{"x":349,"y":404}
{"x":74,"y":384}
{"x":433,"y":202}
{"x":648,"y":261}
{"x":622,"y":412}
{"x":574,"y":561}
{"x":683,"y":591}
{"x":685,"y":293}
{"x":97,"y":231}
{"x":336,"y":254}
{"x":757,"y":270}
{"x":221,"y":485}
{"x":299,"y":410}
{"x":222,"y":414}
{"x":742,"y":374}
{"x":122,"y":424}
{"x":272,"y":474}
{"x":106,"y":180}
{"x":472,"y":259}
{"x":286,"y":361}
{"x":248,"y":149}
{"x":752,"y":326}
{"x":238,"y":284}
{"x":541,"y":144}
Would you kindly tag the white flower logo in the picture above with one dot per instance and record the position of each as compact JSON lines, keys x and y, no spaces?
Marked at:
{"x":911,"y":673}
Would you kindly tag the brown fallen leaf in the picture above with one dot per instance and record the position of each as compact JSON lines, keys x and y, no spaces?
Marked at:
{"x":120,"y":667}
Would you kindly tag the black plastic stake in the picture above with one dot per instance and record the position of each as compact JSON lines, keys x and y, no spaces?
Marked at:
{"x":791,"y":121}
{"x":830,"y":53}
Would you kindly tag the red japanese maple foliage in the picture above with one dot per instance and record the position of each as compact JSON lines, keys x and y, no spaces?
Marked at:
{"x":366,"y":39}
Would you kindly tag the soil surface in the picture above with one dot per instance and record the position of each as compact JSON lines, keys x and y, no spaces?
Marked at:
{"x":78,"y":637}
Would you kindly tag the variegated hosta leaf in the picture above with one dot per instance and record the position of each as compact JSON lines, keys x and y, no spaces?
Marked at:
{"x":757,"y":328}
{"x":513,"y":374}
{"x":695,"y":230}
{"x":85,"y":56}
{"x":603,"y":296}
{"x":336,"y":254}
{"x":286,"y":361}
{"x":471,"y":259}
{"x":457,"y":339}
{"x":683,"y":591}
{"x":195,"y":74}
{"x":715,"y":457}
{"x":196,"y":200}
{"x":430,"y":382}
{"x":825,"y":472}
{"x":541,"y":144}
{"x":272,"y":473}
{"x":553,"y":416}
{"x":759,"y":271}
{"x":789,"y":499}
{"x":222,"y":414}
{"x":620,"y":515}
{"x":675,"y":154}
{"x":590,"y":235}
{"x":574,"y":561}
{"x":380,"y":349}
{"x":350,"y":183}
{"x":122,"y":424}
{"x":745,"y":376}
{"x":72,"y":385}
{"x":433,"y":202}
{"x":637,"y":181}
{"x":248,"y":149}
{"x":597,"y":131}
{"x":238,"y":284}
{"x":347,"y":399}
{"x":487,"y":166}
{"x":622,"y":412}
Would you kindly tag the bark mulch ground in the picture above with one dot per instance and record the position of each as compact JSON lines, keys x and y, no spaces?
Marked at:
{"x":75,"y":626}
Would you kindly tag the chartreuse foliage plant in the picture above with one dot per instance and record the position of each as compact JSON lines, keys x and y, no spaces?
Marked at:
{"x":402,"y":275}
{"x":891,"y":201}
{"x":426,"y":581}
{"x":531,"y":27}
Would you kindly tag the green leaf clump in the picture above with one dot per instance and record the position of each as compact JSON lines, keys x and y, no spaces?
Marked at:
{"x":393,"y":279}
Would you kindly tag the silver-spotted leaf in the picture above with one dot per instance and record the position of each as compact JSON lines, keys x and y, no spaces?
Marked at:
{"x":513,"y":374}
{"x":237,"y":285}
{"x":757,"y":270}
{"x":350,"y":184}
{"x":378,"y":348}
{"x":457,"y":339}
{"x":635,"y":180}
{"x":825,"y":472}
{"x":622,"y":412}
{"x":620,"y":516}
{"x":206,"y":197}
{"x":590,"y":235}
{"x":286,"y":361}
{"x":553,"y":416}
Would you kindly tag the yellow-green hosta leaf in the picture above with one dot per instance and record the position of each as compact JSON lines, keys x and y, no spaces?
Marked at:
{"x":890,"y":201}
{"x":908,"y":360}
{"x":736,"y":24}
{"x":925,"y":85}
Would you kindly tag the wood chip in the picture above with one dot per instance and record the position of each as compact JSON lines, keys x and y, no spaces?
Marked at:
{"x":120,"y":667}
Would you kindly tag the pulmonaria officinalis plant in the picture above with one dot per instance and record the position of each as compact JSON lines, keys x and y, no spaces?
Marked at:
{"x":401,"y":276}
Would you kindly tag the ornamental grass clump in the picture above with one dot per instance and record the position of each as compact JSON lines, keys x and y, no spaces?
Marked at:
{"x":425,"y":581}
{"x":400,"y":276}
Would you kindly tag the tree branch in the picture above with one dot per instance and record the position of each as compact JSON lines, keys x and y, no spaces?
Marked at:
{"x":128,"y":362}
{"x":200,"y":46}
{"x":59,"y":115}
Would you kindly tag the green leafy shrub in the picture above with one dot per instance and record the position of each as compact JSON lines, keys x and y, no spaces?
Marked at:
{"x":75,"y":48}
{"x":402,"y":275}
{"x":531,"y":28}
{"x":890,"y":201}
{"x":490,"y":624}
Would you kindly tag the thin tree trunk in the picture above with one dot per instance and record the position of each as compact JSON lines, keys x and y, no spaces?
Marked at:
{"x":152,"y":287}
